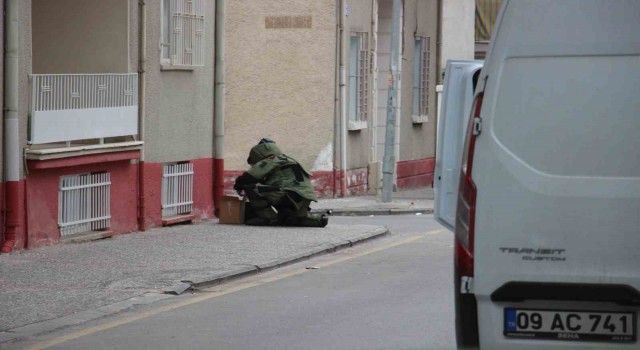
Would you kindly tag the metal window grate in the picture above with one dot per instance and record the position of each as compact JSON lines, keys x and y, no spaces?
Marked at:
{"x":425,"y":75}
{"x":187,"y":32}
{"x":84,"y":203}
{"x":359,"y":77}
{"x":422,"y":79}
{"x":177,"y":189}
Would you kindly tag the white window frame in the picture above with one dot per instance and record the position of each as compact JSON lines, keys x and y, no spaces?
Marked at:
{"x":421,"y":79}
{"x":358,"y":81}
{"x":182,"y":33}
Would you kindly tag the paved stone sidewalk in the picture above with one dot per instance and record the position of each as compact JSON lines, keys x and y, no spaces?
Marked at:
{"x":66,"y":284}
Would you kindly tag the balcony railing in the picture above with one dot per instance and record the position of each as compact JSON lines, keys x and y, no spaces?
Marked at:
{"x":70,"y":107}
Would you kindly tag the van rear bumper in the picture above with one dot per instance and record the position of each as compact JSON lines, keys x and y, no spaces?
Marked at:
{"x":466,"y":321}
{"x":520,"y":291}
{"x":467,"y":336}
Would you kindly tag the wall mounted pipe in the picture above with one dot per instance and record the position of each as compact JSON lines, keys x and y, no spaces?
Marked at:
{"x":373,"y":123}
{"x":336,"y":102}
{"x":142,"y":63}
{"x":219,"y":108}
{"x":343,"y":100}
{"x":11,"y":126}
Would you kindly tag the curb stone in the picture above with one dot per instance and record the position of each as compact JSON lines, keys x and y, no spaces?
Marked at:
{"x":280,"y":262}
{"x":375,"y":212}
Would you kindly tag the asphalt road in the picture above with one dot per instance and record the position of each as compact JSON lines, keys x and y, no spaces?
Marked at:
{"x":391,"y":293}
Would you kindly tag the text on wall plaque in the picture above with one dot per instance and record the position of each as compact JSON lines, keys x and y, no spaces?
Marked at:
{"x":282,"y":22}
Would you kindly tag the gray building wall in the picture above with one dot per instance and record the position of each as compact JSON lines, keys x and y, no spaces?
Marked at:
{"x":458,"y":30}
{"x":418,"y":141}
{"x":179,"y":103}
{"x":133,"y":36}
{"x":80,"y":36}
{"x":24,"y":53}
{"x":280,"y":81}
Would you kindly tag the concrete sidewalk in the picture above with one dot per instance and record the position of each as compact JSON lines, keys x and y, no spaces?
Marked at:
{"x":58,"y":286}
{"x":404,"y":202}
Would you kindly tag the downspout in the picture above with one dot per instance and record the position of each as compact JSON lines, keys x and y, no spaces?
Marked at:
{"x":11,"y":125}
{"x":439,"y":77}
{"x":373,"y":125}
{"x":142,"y":43}
{"x":336,"y":103}
{"x":343,"y":102}
{"x":218,"y":161}
{"x":439,"y":45}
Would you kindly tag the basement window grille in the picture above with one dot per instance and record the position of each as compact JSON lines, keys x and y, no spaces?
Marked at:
{"x":421,"y":76}
{"x":177,"y":189}
{"x":182,"y":33}
{"x":84,"y":203}
{"x":358,"y":78}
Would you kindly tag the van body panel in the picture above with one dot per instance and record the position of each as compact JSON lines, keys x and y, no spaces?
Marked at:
{"x":555,"y":100}
{"x":456,"y":102}
{"x":556,"y":165}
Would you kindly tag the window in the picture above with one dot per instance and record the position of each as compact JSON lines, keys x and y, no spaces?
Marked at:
{"x":182,"y":33}
{"x":177,"y":189}
{"x":358,"y":81}
{"x":421,"y":79}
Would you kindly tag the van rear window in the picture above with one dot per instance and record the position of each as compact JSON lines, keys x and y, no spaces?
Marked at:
{"x":571,"y":116}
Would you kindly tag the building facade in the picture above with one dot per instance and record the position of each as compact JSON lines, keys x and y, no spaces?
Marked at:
{"x":109,"y":122}
{"x":116,"y":118}
{"x":313,"y":76}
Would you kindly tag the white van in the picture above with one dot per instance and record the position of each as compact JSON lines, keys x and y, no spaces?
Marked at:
{"x":547,"y":223}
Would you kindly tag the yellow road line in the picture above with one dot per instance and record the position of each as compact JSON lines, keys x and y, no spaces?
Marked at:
{"x":235,"y":287}
{"x":435,"y":232}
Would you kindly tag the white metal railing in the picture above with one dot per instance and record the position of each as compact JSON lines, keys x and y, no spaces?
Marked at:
{"x":68,"y":107}
{"x":177,"y":189}
{"x":84,"y":203}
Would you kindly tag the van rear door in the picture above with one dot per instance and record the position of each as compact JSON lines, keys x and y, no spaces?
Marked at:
{"x":452,"y":126}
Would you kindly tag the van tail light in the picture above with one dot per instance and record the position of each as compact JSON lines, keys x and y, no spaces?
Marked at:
{"x":466,"y":208}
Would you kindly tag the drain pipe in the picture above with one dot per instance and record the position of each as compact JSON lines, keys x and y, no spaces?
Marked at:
{"x":218,"y":161}
{"x":142,"y":61}
{"x":336,"y":102}
{"x":11,"y":126}
{"x":343,"y":102}
{"x":439,"y":44}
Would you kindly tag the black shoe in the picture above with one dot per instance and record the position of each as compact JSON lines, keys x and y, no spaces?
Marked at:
{"x":324,"y":220}
{"x":260,"y":222}
{"x":314,"y":221}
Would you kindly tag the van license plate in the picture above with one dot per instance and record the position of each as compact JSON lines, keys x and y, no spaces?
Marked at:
{"x":570,"y":325}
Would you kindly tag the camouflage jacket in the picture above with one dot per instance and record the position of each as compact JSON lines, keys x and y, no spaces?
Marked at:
{"x":284,"y":172}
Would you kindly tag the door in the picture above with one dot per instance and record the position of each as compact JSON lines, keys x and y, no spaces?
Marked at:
{"x":452,"y":126}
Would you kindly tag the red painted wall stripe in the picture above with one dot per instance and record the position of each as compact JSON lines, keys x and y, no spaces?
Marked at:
{"x":415,"y":173}
{"x":14,"y":236}
{"x":42,"y":200}
{"x":203,"y":206}
{"x":2,"y":185}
